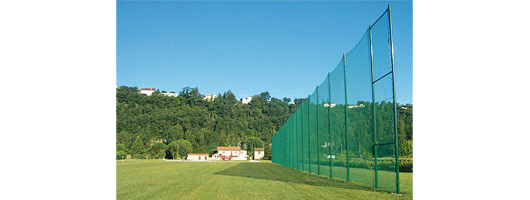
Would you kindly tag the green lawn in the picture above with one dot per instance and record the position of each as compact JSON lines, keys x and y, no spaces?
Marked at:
{"x":157,"y":179}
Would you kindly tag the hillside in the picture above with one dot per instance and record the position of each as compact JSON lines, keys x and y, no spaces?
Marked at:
{"x":197,"y":125}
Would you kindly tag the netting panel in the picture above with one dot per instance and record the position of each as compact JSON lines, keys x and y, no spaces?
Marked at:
{"x":346,"y":129}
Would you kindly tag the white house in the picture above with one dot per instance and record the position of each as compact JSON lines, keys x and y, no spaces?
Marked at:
{"x":147,"y":91}
{"x":246,"y":100}
{"x":327,"y":105}
{"x":230,"y":153}
{"x":171,"y":94}
{"x":209,"y":97}
{"x":356,"y":106}
{"x":197,"y":156}
{"x":259,"y":153}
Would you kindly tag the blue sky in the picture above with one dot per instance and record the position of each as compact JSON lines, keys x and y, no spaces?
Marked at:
{"x":286,"y":48}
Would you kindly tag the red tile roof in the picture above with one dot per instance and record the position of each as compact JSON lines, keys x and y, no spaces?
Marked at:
{"x":228,"y":148}
{"x":259,"y":149}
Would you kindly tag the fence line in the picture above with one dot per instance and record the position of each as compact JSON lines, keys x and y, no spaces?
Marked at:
{"x":356,"y":107}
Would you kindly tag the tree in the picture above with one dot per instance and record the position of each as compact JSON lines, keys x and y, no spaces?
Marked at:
{"x":125,"y":138}
{"x":268,"y":152}
{"x":265,"y":95}
{"x":121,"y":155}
{"x":206,"y":125}
{"x":138,"y":146}
{"x":121,"y":147}
{"x":158,"y":150}
{"x":253,"y":142}
{"x":405,"y":148}
{"x":180,"y":148}
{"x":299,"y":101}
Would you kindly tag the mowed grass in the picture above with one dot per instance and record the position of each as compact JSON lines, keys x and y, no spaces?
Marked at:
{"x":157,"y":179}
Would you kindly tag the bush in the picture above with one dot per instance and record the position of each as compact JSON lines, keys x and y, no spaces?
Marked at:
{"x":128,"y":157}
{"x":140,"y":156}
{"x":405,"y":148}
{"x":405,"y":164}
{"x":121,"y":155}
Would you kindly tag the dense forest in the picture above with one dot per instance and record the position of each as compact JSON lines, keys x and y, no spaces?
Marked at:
{"x":159,"y":126}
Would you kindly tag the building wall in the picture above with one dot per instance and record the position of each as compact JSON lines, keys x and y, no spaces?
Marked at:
{"x":197,"y":157}
{"x":170,"y":94}
{"x":147,"y":92}
{"x":209,"y":97}
{"x":259,"y":155}
{"x":246,"y":100}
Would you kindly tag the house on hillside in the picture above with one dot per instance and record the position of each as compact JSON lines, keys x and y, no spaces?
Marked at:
{"x":356,"y":106}
{"x":259,"y":153}
{"x":147,"y":91}
{"x":209,"y":97}
{"x":246,"y":100}
{"x":230,"y":153}
{"x":171,"y":94}
{"x":197,"y":156}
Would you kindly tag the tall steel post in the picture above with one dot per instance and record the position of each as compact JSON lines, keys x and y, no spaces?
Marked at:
{"x":374,"y":120}
{"x":295,"y":132}
{"x":302,"y":134}
{"x":396,"y":139}
{"x":308,"y":133}
{"x":318,"y":139}
{"x":329,"y":128}
{"x":346,"y":122}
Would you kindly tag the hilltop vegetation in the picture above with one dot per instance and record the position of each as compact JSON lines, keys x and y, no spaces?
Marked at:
{"x":187,"y":123}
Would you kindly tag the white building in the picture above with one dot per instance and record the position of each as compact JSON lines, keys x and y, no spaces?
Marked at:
{"x":147,"y":91}
{"x":230,"y":153}
{"x":327,"y":105}
{"x":356,"y":106}
{"x":197,"y":156}
{"x":259,"y":153}
{"x":209,"y":97}
{"x":246,"y":100}
{"x":171,"y":94}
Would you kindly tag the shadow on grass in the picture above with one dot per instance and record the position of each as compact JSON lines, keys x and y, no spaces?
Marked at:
{"x":275,"y":172}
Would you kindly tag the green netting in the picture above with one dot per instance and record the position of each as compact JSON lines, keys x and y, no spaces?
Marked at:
{"x":313,"y":126}
{"x":338,"y":138}
{"x":346,"y":129}
{"x":359,"y":89}
{"x":384,"y":104}
{"x":323,"y":128}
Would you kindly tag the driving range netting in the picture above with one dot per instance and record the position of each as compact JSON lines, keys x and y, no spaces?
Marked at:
{"x":346,"y":129}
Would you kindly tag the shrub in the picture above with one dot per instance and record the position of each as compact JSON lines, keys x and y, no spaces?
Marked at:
{"x":120,"y":155}
{"x":139,"y":156}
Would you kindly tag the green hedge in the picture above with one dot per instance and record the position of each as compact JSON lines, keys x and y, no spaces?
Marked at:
{"x":141,"y":156}
{"x":405,"y":164}
{"x":120,"y":155}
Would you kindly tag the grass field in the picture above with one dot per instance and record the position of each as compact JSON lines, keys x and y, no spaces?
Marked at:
{"x":157,"y":179}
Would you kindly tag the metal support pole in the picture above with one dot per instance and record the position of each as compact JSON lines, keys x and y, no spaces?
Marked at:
{"x":309,"y":132}
{"x":292,"y":143}
{"x":346,"y":122}
{"x":284,"y":163}
{"x":374,"y":121}
{"x":302,"y":134}
{"x":395,"y":105}
{"x":297,"y":139}
{"x":329,"y":128}
{"x":318,"y":139}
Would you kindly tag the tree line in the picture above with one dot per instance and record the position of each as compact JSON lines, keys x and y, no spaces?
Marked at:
{"x":159,"y":126}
